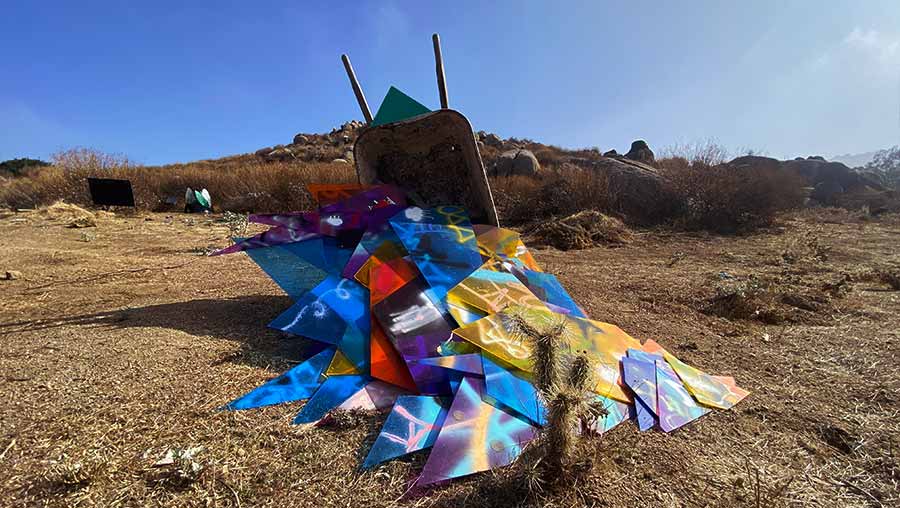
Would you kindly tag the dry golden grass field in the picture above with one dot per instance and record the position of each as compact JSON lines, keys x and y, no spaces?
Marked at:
{"x":119,"y":341}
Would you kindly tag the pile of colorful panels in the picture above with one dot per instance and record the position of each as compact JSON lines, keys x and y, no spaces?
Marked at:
{"x":409,"y":312}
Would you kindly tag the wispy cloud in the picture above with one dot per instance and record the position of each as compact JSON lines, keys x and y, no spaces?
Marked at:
{"x":881,"y":46}
{"x":867,"y":53}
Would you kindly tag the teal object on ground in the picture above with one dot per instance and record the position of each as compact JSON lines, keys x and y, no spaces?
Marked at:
{"x":397,"y":106}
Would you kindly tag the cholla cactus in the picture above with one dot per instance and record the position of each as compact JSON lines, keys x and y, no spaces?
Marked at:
{"x":566,"y":396}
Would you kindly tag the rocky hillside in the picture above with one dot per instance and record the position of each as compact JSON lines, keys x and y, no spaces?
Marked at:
{"x":636,"y":173}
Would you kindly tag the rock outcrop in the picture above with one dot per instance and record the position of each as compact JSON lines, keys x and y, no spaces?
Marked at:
{"x":316,"y":147}
{"x":829,"y":180}
{"x":516,"y":162}
{"x":641,"y":152}
{"x":638,"y":189}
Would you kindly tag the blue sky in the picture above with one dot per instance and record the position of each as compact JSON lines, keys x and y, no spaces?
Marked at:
{"x":163,"y":82}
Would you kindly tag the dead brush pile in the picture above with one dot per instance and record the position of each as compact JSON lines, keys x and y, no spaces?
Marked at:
{"x":753,"y":300}
{"x":72,"y":216}
{"x":581,"y":230}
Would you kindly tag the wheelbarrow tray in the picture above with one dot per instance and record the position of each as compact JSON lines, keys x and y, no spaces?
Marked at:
{"x":433,"y":157}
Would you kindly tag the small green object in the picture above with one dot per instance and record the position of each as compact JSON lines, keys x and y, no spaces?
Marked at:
{"x":397,"y":106}
{"x":202,"y":199}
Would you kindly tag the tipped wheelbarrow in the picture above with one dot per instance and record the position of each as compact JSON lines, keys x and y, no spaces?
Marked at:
{"x":433,"y":156}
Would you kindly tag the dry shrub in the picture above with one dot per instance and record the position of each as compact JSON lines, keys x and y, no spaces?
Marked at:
{"x":744,"y":300}
{"x":891,"y":277}
{"x":707,"y":152}
{"x":550,"y":156}
{"x":729,"y":200}
{"x":707,"y":194}
{"x":525,"y":199}
{"x":238,"y":183}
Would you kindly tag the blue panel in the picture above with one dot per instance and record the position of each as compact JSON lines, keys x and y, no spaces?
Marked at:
{"x":296,"y":384}
{"x":441,"y":243}
{"x":310,"y":251}
{"x":324,"y":313}
{"x":331,"y":394}
{"x":513,"y":392}
{"x":355,"y":346}
{"x":468,"y":363}
{"x":294,"y":275}
{"x":645,"y":418}
{"x":413,"y":425}
{"x":548,"y":288}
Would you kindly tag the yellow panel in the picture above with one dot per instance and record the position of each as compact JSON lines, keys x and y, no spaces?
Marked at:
{"x":606,"y":344}
{"x":340,"y":366}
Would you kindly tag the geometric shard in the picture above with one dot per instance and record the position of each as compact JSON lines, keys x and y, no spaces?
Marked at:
{"x":708,"y":390}
{"x":489,"y":291}
{"x":397,"y":106}
{"x":512,"y":391}
{"x":386,"y":277}
{"x":375,"y":396}
{"x":413,"y":425}
{"x":549,"y":290}
{"x":676,"y":406}
{"x":464,"y":314}
{"x":441,"y":243}
{"x":340,"y":366}
{"x":296,"y":384}
{"x":324,"y":313}
{"x":616,"y":413}
{"x":646,"y":419}
{"x":279,"y":235}
{"x":409,"y":313}
{"x":386,"y":363}
{"x":327,"y":193}
{"x":643,"y":356}
{"x":294,"y":275}
{"x":476,"y":436}
{"x":640,"y":376}
{"x":331,"y":394}
{"x":470,"y":364}
{"x":495,"y":242}
{"x":355,"y":348}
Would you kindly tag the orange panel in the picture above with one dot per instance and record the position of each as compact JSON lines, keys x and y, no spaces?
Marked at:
{"x":387,"y":364}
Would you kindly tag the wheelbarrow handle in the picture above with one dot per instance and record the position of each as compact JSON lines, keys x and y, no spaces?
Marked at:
{"x":357,"y":90}
{"x":439,"y":69}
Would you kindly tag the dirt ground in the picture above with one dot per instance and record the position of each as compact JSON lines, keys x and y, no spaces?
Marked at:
{"x":119,"y":341}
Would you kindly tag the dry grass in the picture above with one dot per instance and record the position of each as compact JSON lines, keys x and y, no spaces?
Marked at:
{"x":238,"y":184}
{"x":697,"y":195}
{"x":117,"y":350}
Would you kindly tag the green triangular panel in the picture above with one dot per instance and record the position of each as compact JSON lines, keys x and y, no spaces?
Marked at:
{"x":397,"y":106}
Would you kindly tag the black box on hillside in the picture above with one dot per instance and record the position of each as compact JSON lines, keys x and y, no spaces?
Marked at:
{"x":111,"y":192}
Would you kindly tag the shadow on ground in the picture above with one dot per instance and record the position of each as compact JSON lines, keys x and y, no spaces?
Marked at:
{"x":242,"y":319}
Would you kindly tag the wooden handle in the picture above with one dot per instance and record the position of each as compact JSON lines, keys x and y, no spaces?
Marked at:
{"x":357,"y":90}
{"x":439,"y":69}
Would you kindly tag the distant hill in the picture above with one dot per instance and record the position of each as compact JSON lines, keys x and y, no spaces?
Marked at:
{"x":17,"y":167}
{"x":855,"y":160}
